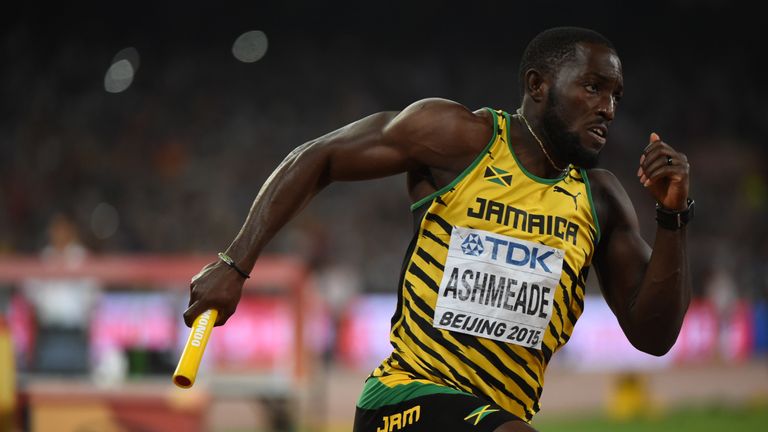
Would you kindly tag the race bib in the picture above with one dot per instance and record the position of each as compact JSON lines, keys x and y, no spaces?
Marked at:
{"x":498,"y":287}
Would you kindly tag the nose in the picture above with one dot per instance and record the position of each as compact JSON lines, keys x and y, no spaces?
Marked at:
{"x":607,"y":108}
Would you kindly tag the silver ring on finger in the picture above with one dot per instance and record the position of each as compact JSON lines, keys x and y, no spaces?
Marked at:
{"x":669,"y":160}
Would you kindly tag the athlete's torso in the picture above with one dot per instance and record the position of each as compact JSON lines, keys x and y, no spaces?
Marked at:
{"x":494,"y":279}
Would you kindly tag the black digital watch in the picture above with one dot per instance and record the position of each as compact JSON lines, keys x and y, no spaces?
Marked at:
{"x":674,"y":220}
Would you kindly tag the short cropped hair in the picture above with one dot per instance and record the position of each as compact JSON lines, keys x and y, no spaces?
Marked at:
{"x":551,"y":48}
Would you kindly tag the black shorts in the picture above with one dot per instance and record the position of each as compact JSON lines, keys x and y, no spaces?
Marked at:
{"x":424,"y":406}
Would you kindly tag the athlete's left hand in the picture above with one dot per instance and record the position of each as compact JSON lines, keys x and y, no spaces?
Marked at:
{"x":665,"y":172}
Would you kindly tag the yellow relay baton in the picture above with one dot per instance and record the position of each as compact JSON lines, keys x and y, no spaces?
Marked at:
{"x":186,"y":371}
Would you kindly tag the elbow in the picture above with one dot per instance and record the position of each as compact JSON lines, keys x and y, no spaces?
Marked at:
{"x":656,"y":350}
{"x":657,"y":346}
{"x":312,"y":160}
{"x":657,"y":333}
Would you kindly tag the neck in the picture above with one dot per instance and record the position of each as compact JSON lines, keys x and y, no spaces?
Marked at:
{"x":548,"y":166}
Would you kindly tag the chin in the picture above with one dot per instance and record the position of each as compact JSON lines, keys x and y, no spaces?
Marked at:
{"x":586,"y":157}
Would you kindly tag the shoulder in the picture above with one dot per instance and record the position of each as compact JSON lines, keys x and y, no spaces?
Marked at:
{"x":442,"y":116}
{"x":612,"y":203}
{"x":445,"y":130}
{"x":440,"y":107}
{"x":603,"y":183}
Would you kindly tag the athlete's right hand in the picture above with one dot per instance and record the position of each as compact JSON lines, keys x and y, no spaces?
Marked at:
{"x":216,"y":286}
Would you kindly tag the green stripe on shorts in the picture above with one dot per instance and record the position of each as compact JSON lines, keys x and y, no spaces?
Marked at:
{"x":375,"y":394}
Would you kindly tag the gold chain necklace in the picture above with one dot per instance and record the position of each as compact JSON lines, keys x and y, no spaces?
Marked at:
{"x":541,"y":144}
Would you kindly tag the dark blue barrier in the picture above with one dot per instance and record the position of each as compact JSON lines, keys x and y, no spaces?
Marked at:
{"x":760,"y":316}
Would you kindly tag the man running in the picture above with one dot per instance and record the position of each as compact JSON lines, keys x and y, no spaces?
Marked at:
{"x":510,"y":214}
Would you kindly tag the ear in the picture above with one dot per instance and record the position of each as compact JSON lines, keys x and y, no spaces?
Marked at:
{"x":535,"y":85}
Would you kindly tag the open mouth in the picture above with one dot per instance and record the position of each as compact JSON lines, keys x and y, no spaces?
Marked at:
{"x":599,"y":133}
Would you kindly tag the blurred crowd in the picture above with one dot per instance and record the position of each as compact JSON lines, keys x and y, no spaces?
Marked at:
{"x":171,"y":164}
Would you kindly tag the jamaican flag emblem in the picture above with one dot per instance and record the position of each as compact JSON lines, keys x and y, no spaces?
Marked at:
{"x":475,"y":416}
{"x":497,"y":175}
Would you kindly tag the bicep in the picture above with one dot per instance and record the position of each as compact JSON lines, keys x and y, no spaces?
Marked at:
{"x":622,"y":255}
{"x":621,"y":266}
{"x":362,"y":150}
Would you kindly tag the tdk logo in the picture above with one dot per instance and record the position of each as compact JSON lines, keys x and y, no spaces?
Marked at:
{"x":472,"y":245}
{"x":518,"y":254}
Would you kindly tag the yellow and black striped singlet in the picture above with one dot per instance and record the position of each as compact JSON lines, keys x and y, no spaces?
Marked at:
{"x":494,"y":204}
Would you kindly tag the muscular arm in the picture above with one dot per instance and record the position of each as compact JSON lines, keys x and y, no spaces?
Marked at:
{"x":648,"y":290}
{"x":357,"y":151}
{"x":433,"y":133}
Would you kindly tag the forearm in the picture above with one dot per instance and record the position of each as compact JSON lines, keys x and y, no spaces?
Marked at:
{"x":658,"y":308}
{"x":290,"y":187}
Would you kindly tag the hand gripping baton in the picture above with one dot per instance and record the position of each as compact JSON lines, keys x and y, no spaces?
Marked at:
{"x":186,"y":371}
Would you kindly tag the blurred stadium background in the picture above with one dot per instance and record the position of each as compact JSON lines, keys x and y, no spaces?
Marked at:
{"x":133,"y":139}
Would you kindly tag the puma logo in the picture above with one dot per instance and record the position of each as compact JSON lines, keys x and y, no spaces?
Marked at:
{"x":565,"y":192}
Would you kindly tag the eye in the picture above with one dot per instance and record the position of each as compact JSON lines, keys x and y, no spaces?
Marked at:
{"x":617,"y":97}
{"x":591,"y":88}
